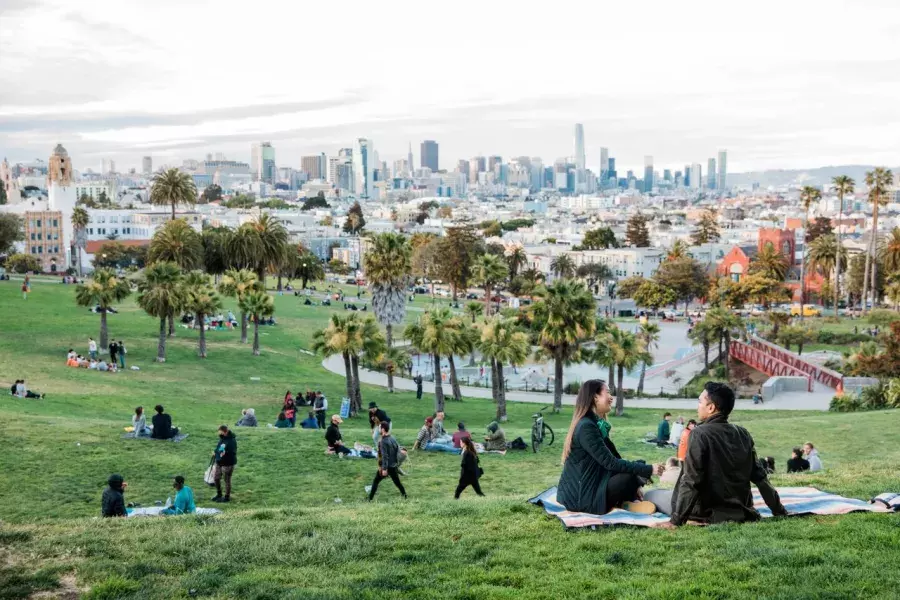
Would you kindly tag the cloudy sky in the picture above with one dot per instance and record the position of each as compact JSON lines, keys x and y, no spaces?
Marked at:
{"x":780,"y":84}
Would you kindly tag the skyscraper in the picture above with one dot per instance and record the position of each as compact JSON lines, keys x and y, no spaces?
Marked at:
{"x":648,"y":173}
{"x":363,"y":165}
{"x":314,"y":166}
{"x":696,"y":176}
{"x":604,"y":166}
{"x":409,"y":160}
{"x":147,"y":165}
{"x":493,"y":161}
{"x":687,"y":175}
{"x":462,"y":166}
{"x":262,"y":162}
{"x":429,"y":155}
{"x":579,"y":157}
{"x":722,"y":179}
{"x":711,"y":174}
{"x":667,"y":175}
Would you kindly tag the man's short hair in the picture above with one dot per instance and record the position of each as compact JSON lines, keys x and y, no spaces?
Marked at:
{"x":158,"y":408}
{"x":721,"y":396}
{"x":668,"y":414}
{"x":385,"y":426}
{"x":179,"y":479}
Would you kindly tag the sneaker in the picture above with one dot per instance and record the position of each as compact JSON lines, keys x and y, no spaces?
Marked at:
{"x":644,"y":507}
{"x":216,"y":498}
{"x":228,"y":499}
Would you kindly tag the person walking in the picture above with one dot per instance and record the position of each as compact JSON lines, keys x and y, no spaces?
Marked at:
{"x":113,"y":352}
{"x":470,"y":469}
{"x":92,"y":348}
{"x":122,"y":353}
{"x":418,"y":381}
{"x":226,"y":459}
{"x":388,"y":461}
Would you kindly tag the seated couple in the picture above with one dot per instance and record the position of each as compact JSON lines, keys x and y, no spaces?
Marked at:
{"x":804,"y":459}
{"x":433,"y":438}
{"x":19,"y":389}
{"x":112,"y":503}
{"x":714,"y":483}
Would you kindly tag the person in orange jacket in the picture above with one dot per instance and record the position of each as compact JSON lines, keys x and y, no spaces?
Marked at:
{"x":683,"y":443}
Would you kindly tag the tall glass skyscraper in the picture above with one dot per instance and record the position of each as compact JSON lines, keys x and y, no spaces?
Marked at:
{"x":363,"y":167}
{"x":711,"y":174}
{"x":429,"y":155}
{"x":722,"y":179}
{"x":648,"y":173}
{"x":579,"y":157}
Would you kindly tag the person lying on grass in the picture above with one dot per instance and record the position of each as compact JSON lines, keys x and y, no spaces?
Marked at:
{"x":595,"y":478}
{"x":721,"y":463}
{"x":184,"y":499}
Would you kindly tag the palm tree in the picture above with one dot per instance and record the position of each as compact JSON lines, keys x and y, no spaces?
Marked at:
{"x":842,"y":185}
{"x":808,"y":196}
{"x":893,"y":293}
{"x":177,"y":242}
{"x":602,"y":355}
{"x":388,"y":267}
{"x":102,"y":290}
{"x":628,"y":351}
{"x":335,"y":339}
{"x":678,"y":250}
{"x":532,"y":279}
{"x":174,"y":188}
{"x":365,"y":338}
{"x":215,"y":250}
{"x":160,"y":294}
{"x":563,"y":267}
{"x":272,"y":245}
{"x":824,"y":255}
{"x":878,"y":182}
{"x":488,"y":272}
{"x":723,"y":323}
{"x":889,"y":252}
{"x":515,"y":259}
{"x":649,"y":336}
{"x":564,"y":317}
{"x":703,"y":334}
{"x":778,"y":320}
{"x":202,"y":300}
{"x":236,"y":284}
{"x":474,"y":310}
{"x":257,"y":304}
{"x":770,"y":263}
{"x":434,"y":334}
{"x":502,"y":343}
{"x":244,"y":249}
{"x":80,"y":220}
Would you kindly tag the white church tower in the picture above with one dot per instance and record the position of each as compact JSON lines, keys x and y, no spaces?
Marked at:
{"x":61,"y":191}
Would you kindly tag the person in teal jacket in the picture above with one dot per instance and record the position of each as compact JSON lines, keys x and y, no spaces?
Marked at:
{"x":663,"y":431}
{"x":184,"y":499}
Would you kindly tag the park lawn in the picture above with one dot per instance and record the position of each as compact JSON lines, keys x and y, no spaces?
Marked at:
{"x":285,"y":535}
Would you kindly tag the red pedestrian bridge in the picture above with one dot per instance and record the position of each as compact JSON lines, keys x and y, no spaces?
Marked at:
{"x":775,"y":361}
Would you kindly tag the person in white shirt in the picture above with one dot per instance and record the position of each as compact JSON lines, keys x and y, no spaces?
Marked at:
{"x":812,"y":455}
{"x":92,"y":348}
{"x":93,"y":364}
{"x":677,"y":430}
{"x":70,"y":355}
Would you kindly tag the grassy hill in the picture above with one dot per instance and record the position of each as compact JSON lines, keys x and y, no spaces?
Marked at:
{"x":285,"y":535}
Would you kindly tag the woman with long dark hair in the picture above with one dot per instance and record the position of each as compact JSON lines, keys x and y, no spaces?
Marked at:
{"x":595,"y":478}
{"x":470,"y":470}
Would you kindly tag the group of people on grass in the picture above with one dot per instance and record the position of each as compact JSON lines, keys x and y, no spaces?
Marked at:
{"x":161,"y":424}
{"x":20,"y":390}
{"x":117,"y":352}
{"x":433,"y":437}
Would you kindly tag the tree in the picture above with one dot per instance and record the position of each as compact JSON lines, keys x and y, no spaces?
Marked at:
{"x":889,"y":252}
{"x":653,"y":296}
{"x":12,"y":230}
{"x":212,"y":193}
{"x":388,"y":268}
{"x":456,"y":252}
{"x":685,"y":276}
{"x":563,"y":267}
{"x":317,"y":201}
{"x":759,"y":289}
{"x":369,"y":341}
{"x":796,"y":334}
{"x":177,"y":242}
{"x":809,"y":195}
{"x":338,"y":267}
{"x":80,"y":220}
{"x":237,"y":284}
{"x":703,"y":333}
{"x":336,"y":338}
{"x":516,"y":224}
{"x":777,"y":320}
{"x":593,"y":272}
{"x":649,"y":337}
{"x":707,"y":230}
{"x":770,"y":263}
{"x":636,"y":233}
{"x":842,"y":185}
{"x":516,"y":259}
{"x":3,"y":198}
{"x":102,"y":290}
{"x":856,"y":274}
{"x":603,"y":354}
{"x":23,"y":263}
{"x":302,"y":264}
{"x":215,"y":243}
{"x":818,"y":227}
{"x":160,"y":294}
{"x":678,"y":250}
{"x":723,"y":323}
{"x":474,"y":310}
{"x":258,"y":304}
{"x":598,"y":239}
{"x":627,"y":352}
{"x":824,"y":255}
{"x":488,"y":272}
{"x":173,"y":188}
{"x":241,"y":201}
{"x":202,"y":300}
{"x":273,"y":245}
{"x":626,"y":288}
{"x":87,"y":201}
{"x":531,"y":279}
{"x":563,"y":318}
{"x":355,"y":221}
{"x":433,"y":333}
{"x":878,"y":181}
{"x":502,"y":344}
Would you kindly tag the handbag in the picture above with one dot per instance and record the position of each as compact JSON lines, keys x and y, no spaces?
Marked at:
{"x":210,"y":476}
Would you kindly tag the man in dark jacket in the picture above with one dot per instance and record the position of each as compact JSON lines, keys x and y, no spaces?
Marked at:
{"x":113,"y":502}
{"x":162,"y":425}
{"x":333,"y":436}
{"x":721,"y":462}
{"x":226,"y":459}
{"x":388,"y":461}
{"x":418,"y":381}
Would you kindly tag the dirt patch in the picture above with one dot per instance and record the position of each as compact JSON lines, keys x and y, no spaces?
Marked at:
{"x":67,"y":590}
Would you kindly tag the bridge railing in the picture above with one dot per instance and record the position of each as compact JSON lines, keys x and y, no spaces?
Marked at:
{"x":767,"y":363}
{"x":818,"y":373}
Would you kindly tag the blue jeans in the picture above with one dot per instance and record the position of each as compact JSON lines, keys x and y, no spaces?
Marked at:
{"x":93,"y":354}
{"x":435,"y":447}
{"x":122,"y":360}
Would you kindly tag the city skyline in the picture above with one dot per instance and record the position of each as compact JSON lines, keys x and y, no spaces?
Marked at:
{"x":796,"y":104}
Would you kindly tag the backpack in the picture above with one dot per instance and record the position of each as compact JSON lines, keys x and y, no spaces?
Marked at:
{"x":517,"y":444}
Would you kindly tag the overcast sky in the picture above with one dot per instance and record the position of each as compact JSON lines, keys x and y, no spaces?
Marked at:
{"x":780,"y":84}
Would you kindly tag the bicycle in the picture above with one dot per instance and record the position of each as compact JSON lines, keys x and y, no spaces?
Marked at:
{"x":539,"y":430}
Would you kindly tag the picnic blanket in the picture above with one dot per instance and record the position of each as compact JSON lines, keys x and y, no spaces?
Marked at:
{"x":797,"y":501}
{"x":130,"y":436}
{"x":154,"y":511}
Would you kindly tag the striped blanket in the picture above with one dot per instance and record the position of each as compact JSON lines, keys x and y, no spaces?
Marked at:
{"x":797,"y":501}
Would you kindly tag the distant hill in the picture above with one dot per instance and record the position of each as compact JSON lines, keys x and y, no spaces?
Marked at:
{"x":816,"y":176}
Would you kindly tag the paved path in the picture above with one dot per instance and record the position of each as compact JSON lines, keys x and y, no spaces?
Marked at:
{"x":786,"y":401}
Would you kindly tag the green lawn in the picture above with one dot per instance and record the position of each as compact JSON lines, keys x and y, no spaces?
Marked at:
{"x":285,"y":536}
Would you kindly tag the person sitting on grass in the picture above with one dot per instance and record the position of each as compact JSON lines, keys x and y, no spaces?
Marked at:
{"x":92,"y":365}
{"x":162,"y":425}
{"x":423,"y":438}
{"x":721,"y":463}
{"x":184,"y":499}
{"x":333,"y":436}
{"x":283,"y":422}
{"x":102,"y":365}
{"x":812,"y":455}
{"x":495,"y":440}
{"x":438,"y":433}
{"x":460,"y":434}
{"x":595,"y":478}
{"x":113,"y":502}
{"x":677,"y":430}
{"x":139,"y":423}
{"x":470,"y":470}
{"x":83,"y":362}
{"x":310,"y":422}
{"x":71,"y":358}
{"x":797,"y":464}
{"x":22,"y":391}
{"x":248,"y":418}
{"x":662,"y":431}
{"x":685,"y":437}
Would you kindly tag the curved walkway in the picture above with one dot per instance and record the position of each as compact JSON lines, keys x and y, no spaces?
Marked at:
{"x":787,"y":401}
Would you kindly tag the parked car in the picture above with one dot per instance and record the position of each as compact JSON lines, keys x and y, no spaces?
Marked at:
{"x":808,"y":310}
{"x":350,"y":281}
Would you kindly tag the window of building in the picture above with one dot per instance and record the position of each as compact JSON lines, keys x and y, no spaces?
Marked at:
{"x":37,"y":223}
{"x":32,"y":236}
{"x":40,"y":249}
{"x":39,"y":236}
{"x":91,"y":230}
{"x":55,"y":223}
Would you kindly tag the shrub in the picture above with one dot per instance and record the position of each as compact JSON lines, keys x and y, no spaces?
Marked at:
{"x":719,"y":371}
{"x":840,"y":339}
{"x":892,"y":394}
{"x":572,"y":387}
{"x":845,"y":403}
{"x":873,"y":398}
{"x":23,"y":263}
{"x":883,"y":316}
